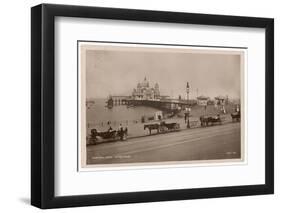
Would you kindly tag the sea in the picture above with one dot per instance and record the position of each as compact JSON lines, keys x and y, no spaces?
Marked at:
{"x":99,"y":116}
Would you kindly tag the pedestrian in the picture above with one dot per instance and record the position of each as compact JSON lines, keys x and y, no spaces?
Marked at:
{"x":125,"y":133}
{"x":185,"y":114}
{"x":159,"y":117}
{"x":120,"y":126}
{"x":223,"y":110}
{"x":121,"y":132}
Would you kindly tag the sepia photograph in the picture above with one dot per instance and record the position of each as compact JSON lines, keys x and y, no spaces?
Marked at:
{"x":152,"y":104}
{"x":134,"y":105}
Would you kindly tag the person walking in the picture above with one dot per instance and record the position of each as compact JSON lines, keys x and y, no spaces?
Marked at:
{"x":185,"y":114}
{"x":185,"y":117}
{"x":121,"y":132}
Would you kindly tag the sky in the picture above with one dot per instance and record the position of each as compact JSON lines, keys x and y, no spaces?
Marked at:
{"x":117,"y":72}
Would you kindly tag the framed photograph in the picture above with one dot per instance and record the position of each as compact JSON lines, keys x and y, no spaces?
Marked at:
{"x":139,"y":106}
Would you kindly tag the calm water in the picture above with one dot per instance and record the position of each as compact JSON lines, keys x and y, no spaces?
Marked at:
{"x":98,"y":115}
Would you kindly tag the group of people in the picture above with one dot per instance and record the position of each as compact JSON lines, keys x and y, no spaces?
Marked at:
{"x":122,"y":132}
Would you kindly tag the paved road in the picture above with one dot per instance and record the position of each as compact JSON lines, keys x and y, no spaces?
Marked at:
{"x":215,"y":142}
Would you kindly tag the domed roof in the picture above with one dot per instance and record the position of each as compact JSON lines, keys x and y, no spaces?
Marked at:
{"x":145,"y":83}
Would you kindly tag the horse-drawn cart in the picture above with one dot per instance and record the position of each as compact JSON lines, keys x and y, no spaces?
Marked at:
{"x":106,"y":136}
{"x":206,"y":120}
{"x":162,"y":127}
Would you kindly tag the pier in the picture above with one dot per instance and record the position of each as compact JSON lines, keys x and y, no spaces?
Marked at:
{"x":119,"y":99}
{"x":163,"y":104}
{"x":146,"y":95}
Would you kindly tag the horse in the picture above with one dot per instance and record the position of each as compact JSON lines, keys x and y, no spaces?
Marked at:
{"x":204,"y":120}
{"x":151,"y":127}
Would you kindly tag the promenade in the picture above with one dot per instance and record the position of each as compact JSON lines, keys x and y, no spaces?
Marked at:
{"x":209,"y":143}
{"x":137,"y":129}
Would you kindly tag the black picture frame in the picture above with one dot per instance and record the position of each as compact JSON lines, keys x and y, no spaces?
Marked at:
{"x":43,"y":105}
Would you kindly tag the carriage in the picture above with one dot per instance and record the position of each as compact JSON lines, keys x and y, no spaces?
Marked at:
{"x":110,"y":135}
{"x":206,"y":120}
{"x":162,"y":127}
{"x":235,"y":116}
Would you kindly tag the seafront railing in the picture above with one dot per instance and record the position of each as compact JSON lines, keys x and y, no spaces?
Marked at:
{"x":194,"y":122}
{"x":117,"y":123}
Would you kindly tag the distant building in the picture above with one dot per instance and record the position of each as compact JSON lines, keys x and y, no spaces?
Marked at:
{"x":144,"y":92}
{"x":202,"y":100}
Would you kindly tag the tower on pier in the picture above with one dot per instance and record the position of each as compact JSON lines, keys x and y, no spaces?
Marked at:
{"x":187,"y":91}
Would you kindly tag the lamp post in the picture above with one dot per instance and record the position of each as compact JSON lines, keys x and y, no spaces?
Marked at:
{"x":188,"y":115}
{"x":187,"y":91}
